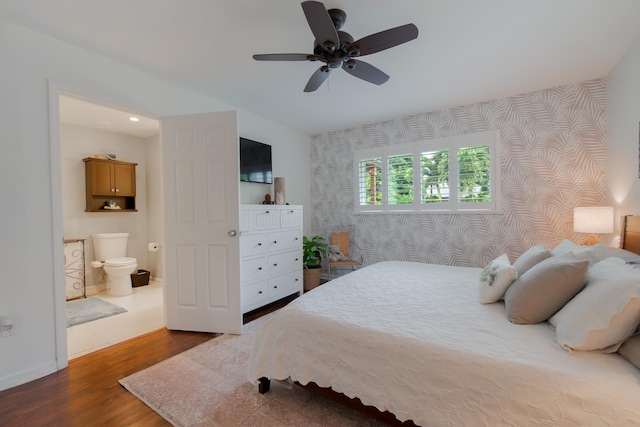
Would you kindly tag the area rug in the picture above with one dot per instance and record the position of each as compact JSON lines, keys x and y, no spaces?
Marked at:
{"x":207,"y":386}
{"x":88,"y":309}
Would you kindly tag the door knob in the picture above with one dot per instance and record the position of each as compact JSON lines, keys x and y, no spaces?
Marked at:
{"x":232,"y":233}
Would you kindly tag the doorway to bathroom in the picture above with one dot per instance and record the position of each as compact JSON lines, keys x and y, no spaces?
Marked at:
{"x":89,"y":129}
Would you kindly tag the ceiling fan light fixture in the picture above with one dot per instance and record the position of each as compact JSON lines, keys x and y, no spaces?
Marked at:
{"x":350,"y":64}
{"x":329,"y":46}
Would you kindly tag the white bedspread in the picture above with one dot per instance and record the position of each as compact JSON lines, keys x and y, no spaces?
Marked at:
{"x":413,"y":339}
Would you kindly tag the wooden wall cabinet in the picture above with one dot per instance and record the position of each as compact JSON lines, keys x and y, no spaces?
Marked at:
{"x":110,"y":180}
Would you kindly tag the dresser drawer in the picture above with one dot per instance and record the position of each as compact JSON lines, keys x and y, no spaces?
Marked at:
{"x":284,"y":262}
{"x":246,"y":220}
{"x":266,"y":219}
{"x":285,"y":284}
{"x":253,"y":245}
{"x":253,"y":269}
{"x":254,"y":294}
{"x":284,"y":240}
{"x":290,"y":218}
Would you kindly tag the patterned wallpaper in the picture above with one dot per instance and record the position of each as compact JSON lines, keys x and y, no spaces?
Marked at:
{"x":552,"y":160}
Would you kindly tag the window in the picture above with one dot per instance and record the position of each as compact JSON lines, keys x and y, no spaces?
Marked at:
{"x":446,"y":174}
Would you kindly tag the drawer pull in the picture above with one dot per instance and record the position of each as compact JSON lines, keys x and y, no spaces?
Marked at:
{"x":259,"y":292}
{"x":275,"y":242}
{"x":267,"y":212}
{"x":260,"y":268}
{"x":275,"y":286}
{"x":296,"y":239}
{"x":275,"y":265}
{"x":296,"y":259}
{"x":297,"y":279}
{"x":259,"y":244}
{"x":290,"y":211}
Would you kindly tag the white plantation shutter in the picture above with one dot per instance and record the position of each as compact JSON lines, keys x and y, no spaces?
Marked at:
{"x":400,"y":181}
{"x":369,"y":174}
{"x":434,"y":173}
{"x":454,"y":174}
{"x":473,"y":161}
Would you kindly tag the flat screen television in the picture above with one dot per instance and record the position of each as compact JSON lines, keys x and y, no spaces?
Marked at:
{"x":255,"y":162}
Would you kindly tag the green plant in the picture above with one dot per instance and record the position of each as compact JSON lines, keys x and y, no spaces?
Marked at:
{"x":313,"y":249}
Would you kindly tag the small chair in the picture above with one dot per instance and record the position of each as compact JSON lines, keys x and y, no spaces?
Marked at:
{"x":343,"y":240}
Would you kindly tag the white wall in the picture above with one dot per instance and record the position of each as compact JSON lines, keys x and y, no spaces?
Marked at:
{"x":155,"y":211}
{"x":623,"y":117}
{"x":77,"y":143}
{"x":29,"y":62}
{"x":286,"y":163}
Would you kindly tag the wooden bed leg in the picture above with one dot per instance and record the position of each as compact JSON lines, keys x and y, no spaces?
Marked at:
{"x":265,"y":384}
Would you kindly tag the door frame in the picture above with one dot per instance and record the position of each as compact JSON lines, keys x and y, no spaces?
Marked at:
{"x":56,"y":89}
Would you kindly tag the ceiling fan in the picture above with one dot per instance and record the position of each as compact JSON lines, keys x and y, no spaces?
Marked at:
{"x":338,"y":49}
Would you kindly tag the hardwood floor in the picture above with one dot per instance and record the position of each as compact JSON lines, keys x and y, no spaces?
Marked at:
{"x":87,"y":392}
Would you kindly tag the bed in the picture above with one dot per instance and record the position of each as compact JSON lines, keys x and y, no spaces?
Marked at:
{"x":413,"y":339}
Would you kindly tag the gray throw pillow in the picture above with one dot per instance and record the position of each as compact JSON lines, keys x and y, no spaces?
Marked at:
{"x":630,"y":350}
{"x":544,"y":289}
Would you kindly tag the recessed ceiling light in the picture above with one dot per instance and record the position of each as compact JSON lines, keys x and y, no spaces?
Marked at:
{"x":134,"y":119}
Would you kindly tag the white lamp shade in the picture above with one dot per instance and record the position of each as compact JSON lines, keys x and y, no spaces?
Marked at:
{"x":593,"y":220}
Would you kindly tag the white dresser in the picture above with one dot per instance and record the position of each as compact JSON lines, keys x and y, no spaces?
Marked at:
{"x":270,"y":253}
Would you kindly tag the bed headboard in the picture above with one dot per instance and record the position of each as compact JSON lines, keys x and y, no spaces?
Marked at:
{"x":630,"y":239}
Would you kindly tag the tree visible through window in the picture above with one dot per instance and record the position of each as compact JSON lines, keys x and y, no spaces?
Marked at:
{"x":474,"y":172}
{"x":435,"y":176}
{"x":459,"y":174}
{"x":400,"y":179}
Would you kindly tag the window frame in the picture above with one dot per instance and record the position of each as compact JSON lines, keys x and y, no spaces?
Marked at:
{"x":452,"y":145}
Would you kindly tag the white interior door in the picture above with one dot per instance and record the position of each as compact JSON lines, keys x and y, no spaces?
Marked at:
{"x":201,"y":210}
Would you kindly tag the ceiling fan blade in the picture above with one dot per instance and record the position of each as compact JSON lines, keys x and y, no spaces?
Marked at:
{"x":285,"y":57}
{"x":317,"y":78}
{"x":384,"y":39}
{"x":366,"y":71}
{"x":321,"y":24}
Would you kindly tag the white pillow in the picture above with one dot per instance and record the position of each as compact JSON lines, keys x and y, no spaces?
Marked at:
{"x":605,"y":312}
{"x":495,"y":278}
{"x":531,"y":257}
{"x":593,"y":254}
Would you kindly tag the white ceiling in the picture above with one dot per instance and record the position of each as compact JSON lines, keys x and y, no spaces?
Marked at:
{"x":80,"y":112}
{"x":467,"y":51}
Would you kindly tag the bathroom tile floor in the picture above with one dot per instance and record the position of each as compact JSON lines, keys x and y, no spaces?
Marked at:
{"x":144,"y":314}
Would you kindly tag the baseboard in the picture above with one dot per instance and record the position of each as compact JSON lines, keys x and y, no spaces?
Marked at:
{"x":92,"y":290}
{"x":28,"y":375}
{"x":156,"y":281}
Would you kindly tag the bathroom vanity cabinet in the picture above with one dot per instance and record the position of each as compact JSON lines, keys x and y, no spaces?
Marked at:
{"x":109,"y":181}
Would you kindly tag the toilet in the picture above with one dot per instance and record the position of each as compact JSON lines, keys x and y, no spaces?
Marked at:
{"x":110,"y":250}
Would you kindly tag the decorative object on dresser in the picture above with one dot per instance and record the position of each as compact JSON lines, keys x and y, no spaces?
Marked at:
{"x":313,"y":250}
{"x":593,"y":220}
{"x":279,"y":190}
{"x":270,"y":253}
{"x":110,"y":185}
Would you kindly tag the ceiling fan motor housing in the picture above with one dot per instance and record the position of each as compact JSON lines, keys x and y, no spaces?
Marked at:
{"x":336,"y":57}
